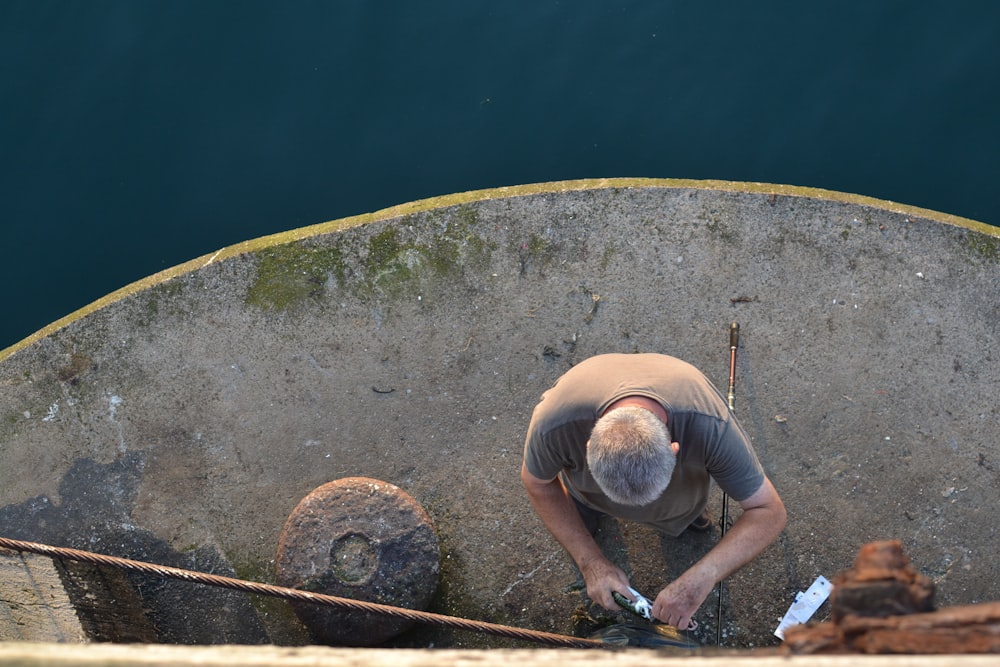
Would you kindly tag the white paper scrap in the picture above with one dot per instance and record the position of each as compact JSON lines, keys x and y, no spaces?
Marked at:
{"x":805,"y":606}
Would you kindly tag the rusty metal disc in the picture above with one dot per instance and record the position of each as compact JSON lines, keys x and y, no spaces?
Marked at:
{"x":363,"y":539}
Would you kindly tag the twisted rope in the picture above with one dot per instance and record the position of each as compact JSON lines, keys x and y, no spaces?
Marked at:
{"x":166,"y":572}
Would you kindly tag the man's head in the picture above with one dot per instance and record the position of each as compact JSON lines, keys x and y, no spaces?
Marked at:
{"x":631,"y":456}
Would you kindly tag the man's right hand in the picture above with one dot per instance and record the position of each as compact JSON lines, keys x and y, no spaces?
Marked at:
{"x":556,"y":510}
{"x":603,"y":578}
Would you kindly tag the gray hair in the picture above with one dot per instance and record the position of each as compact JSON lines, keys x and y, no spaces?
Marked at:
{"x":630,"y":456}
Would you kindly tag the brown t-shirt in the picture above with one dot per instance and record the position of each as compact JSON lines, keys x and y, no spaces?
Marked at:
{"x":712,"y":443}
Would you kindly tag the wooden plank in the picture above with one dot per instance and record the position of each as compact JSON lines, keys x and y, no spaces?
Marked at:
{"x":161,"y":655}
{"x":34,"y":606}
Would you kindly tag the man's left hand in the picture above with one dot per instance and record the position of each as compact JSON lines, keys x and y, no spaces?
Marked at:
{"x":677,"y":603}
{"x":762,"y":520}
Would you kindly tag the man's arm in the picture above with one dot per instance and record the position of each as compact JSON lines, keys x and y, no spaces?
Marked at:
{"x":763,"y":520}
{"x":555,"y":508}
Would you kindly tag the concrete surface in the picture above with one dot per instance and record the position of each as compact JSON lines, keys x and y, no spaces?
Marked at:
{"x":181,"y":419}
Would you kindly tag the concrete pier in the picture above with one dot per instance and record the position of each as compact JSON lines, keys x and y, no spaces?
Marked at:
{"x":180,"y":419}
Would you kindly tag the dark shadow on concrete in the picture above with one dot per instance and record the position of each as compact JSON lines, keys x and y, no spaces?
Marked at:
{"x":93,"y":514}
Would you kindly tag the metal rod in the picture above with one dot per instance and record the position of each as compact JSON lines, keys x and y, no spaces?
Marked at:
{"x":734,"y":344}
{"x":299,"y":595}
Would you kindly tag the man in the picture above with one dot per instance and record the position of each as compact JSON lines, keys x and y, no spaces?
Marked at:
{"x":639,"y":437}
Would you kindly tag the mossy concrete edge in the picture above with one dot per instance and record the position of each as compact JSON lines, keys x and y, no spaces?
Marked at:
{"x":455,"y":199}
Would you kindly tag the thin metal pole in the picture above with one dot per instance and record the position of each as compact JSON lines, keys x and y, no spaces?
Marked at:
{"x":734,"y":344}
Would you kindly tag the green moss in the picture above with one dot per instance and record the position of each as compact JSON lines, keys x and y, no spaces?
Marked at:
{"x":289,"y":274}
{"x":161,"y":299}
{"x":717,"y":224}
{"x":607,"y":256}
{"x":459,"y":246}
{"x":389,"y":263}
{"x":393,"y":264}
{"x":984,"y":247}
{"x":538,"y":246}
{"x":249,"y":570}
{"x":393,"y":261}
{"x":276,"y":613}
{"x":8,"y":427}
{"x":383,"y":248}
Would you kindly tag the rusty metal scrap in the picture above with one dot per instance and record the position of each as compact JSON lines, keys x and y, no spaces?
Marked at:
{"x":884,"y":605}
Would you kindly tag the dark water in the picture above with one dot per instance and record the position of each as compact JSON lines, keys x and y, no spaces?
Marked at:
{"x":136,"y":135}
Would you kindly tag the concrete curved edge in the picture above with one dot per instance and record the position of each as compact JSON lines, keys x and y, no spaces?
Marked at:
{"x":440,"y":201}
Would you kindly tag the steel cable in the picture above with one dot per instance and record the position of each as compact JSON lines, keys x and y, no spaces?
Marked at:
{"x":549,"y":638}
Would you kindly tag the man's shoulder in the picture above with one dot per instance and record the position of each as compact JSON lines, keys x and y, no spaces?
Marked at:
{"x":646,"y":356}
{"x":629,"y":360}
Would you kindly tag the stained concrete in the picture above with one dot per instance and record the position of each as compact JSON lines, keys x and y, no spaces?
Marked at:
{"x":181,"y":419}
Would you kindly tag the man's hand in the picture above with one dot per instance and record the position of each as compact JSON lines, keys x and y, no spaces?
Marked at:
{"x":677,"y":603}
{"x":763,"y":519}
{"x":602,"y":578}
{"x":557,"y":512}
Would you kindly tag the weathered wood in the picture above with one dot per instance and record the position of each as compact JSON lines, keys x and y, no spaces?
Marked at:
{"x":968,"y":629}
{"x":882,"y":583}
{"x":882,"y":606}
{"x":107,"y":603}
{"x":971,"y":629}
{"x":34,"y":606}
{"x":160,"y":655}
